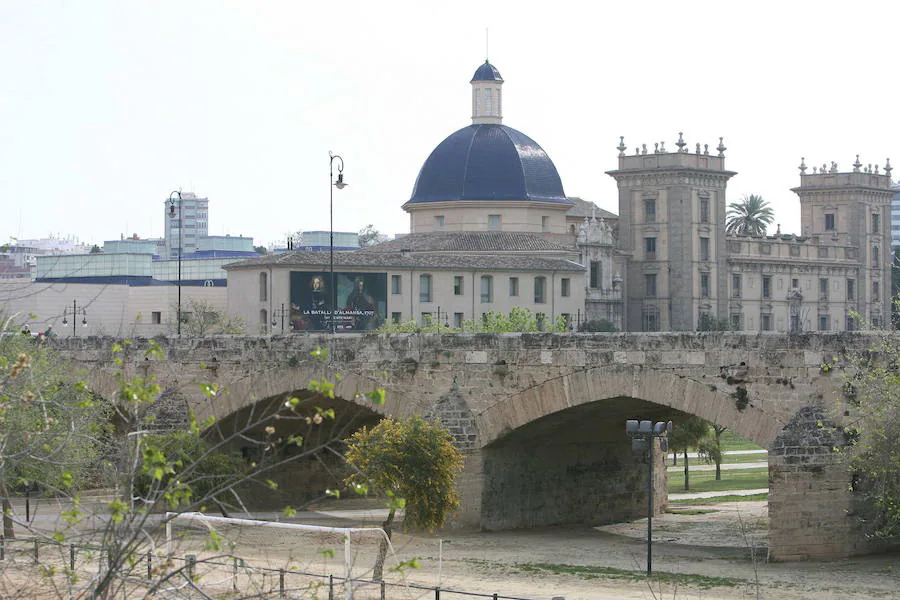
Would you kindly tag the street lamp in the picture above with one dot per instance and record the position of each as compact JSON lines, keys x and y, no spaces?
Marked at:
{"x":643,"y":434}
{"x":180,"y":228}
{"x":75,"y":312}
{"x":339,"y":184}
{"x":283,"y":312}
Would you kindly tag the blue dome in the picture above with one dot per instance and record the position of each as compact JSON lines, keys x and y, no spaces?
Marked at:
{"x":488,"y":162}
{"x":486,"y":72}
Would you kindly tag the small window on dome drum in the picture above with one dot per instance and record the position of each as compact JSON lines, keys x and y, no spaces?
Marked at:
{"x":493,"y":222}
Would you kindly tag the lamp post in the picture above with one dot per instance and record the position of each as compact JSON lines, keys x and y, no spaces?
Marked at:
{"x":643,"y":434}
{"x":282,"y":312}
{"x":75,"y":312}
{"x":339,"y":184}
{"x":180,"y":228}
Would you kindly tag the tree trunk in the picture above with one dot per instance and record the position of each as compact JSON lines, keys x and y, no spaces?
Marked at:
{"x":687,"y":483}
{"x":718,"y":470}
{"x":378,"y":571}
{"x":8,"y":530}
{"x":674,"y":459}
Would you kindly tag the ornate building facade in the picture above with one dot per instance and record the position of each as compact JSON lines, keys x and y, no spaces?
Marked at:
{"x":491,"y":229}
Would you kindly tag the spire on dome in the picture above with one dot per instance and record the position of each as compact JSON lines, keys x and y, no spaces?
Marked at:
{"x":487,"y":95}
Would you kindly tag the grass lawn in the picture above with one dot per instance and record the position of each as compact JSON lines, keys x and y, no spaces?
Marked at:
{"x":717,"y":499}
{"x":731,"y":459}
{"x":732,"y":441}
{"x":705,"y":481}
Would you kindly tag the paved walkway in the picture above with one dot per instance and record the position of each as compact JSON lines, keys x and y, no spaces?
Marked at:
{"x":691,"y":495}
{"x":725,"y":467}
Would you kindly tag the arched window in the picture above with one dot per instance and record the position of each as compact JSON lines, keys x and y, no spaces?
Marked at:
{"x":264,"y":320}
{"x":263,"y":287}
{"x":875,"y":260}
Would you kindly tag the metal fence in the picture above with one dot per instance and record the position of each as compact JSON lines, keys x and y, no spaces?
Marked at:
{"x":218,"y":575}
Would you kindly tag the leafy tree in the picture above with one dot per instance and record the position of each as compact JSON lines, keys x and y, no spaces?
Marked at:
{"x":415,"y":464}
{"x":518,"y":320}
{"x":260,"y":250}
{"x":53,"y":431}
{"x":872,"y":390}
{"x":177,"y":471}
{"x":710,"y":449}
{"x":711,"y":323}
{"x":369,"y":236}
{"x":686,"y":436}
{"x":750,"y":216}
{"x":598,"y":325}
{"x":200,"y":317}
{"x":95,"y":249}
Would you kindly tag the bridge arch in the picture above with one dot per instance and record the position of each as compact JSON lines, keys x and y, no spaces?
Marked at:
{"x":713,"y":400}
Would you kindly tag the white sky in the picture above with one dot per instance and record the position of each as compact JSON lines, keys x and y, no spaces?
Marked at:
{"x":106,"y":107}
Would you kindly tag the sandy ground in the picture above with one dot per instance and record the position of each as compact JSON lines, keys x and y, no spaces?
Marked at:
{"x":694,"y":556}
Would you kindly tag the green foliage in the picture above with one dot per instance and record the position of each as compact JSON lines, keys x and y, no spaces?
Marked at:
{"x":712,"y":323}
{"x":183,"y":456}
{"x":200,"y":317}
{"x":687,"y":436}
{"x":53,"y":431}
{"x":598,"y":325}
{"x":410,"y":459}
{"x":874,"y":434}
{"x":751,"y":216}
{"x":518,"y":320}
{"x":369,"y":236}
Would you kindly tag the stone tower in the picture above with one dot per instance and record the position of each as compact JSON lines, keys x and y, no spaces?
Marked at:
{"x":672,"y":230}
{"x":853,"y":210}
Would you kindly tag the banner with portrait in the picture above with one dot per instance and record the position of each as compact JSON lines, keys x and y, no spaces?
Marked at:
{"x":360,"y":301}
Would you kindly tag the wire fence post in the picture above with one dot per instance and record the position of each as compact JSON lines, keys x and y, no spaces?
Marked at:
{"x":234,"y":585}
{"x":2,"y":547}
{"x":149,"y":565}
{"x":331,"y":587}
{"x":37,"y":547}
{"x":437,"y":593}
{"x":382,"y":589}
{"x":72,"y":557}
{"x":281,"y":583}
{"x":191,"y":560}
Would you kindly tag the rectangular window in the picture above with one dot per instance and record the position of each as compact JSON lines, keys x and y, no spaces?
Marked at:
{"x":876,"y":222}
{"x":823,"y":288}
{"x":829,"y":221}
{"x":735,"y":286}
{"x":540,"y":290}
{"x":650,"y":285}
{"x":457,"y":285}
{"x":650,"y":318}
{"x":875,"y":260}
{"x":545,"y":224}
{"x":493,"y":222}
{"x":704,"y":285}
{"x":736,"y":322}
{"x":649,"y":210}
{"x":823,"y":251}
{"x":426,"y":319}
{"x":424,"y":288}
{"x":823,"y":322}
{"x":487,"y":288}
{"x":765,"y":322}
{"x":395,"y":317}
{"x":395,"y":284}
{"x":851,"y":323}
{"x":767,"y":286}
{"x":458,"y":320}
{"x":876,"y":292}
{"x":596,"y":274}
{"x":513,"y":286}
{"x":704,"y":248}
{"x":851,"y":290}
{"x":565,"y":287}
{"x":704,"y":210}
{"x":156,"y":317}
{"x":439,"y":222}
{"x":650,"y":248}
{"x":795,"y":284}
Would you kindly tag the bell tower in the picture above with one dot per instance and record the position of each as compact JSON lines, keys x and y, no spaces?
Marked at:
{"x":672,"y":232}
{"x":487,"y":95}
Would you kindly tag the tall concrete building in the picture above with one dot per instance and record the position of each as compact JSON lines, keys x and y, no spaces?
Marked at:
{"x":895,"y":217}
{"x":195,"y":214}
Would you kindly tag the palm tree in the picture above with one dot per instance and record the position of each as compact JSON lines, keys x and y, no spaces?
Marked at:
{"x":752,"y":215}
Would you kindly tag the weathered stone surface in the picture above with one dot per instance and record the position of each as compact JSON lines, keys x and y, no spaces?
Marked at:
{"x":541,"y":416}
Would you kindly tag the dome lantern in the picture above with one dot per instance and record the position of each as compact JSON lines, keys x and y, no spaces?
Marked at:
{"x":487,"y":95}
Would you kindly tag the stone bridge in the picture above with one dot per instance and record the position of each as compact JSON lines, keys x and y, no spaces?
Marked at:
{"x":541,"y":417}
